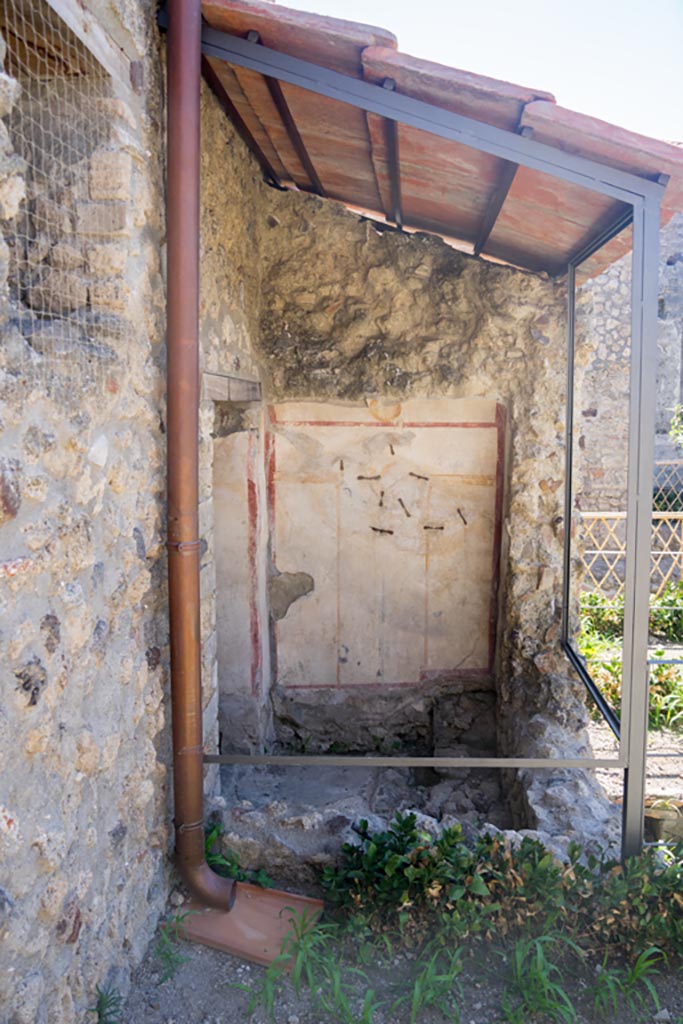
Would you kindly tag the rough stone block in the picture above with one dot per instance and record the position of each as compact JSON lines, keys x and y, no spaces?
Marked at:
{"x":56,"y":291}
{"x":102,"y":218}
{"x":9,"y":93}
{"x":111,"y":296}
{"x":10,"y":490}
{"x":66,"y":256}
{"x":110,"y":174}
{"x":107,"y":260}
{"x":52,"y":222}
{"x":12,"y":193}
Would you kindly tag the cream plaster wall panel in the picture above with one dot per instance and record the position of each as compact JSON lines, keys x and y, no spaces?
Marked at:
{"x":459,"y":599}
{"x":234,"y":570}
{"x":394,"y":517}
{"x":306,"y":541}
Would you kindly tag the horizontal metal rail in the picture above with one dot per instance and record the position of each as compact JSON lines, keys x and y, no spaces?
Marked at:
{"x":397,"y":761}
{"x":656,"y":516}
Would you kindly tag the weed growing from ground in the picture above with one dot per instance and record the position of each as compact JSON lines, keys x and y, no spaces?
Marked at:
{"x":536,"y":983}
{"x":310,"y":958}
{"x":167,"y":949}
{"x":435,"y":984}
{"x":108,"y":1005}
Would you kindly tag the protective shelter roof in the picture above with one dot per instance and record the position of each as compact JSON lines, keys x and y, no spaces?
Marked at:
{"x":496,"y":208}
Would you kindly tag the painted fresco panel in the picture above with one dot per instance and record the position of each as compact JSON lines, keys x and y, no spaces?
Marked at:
{"x":394,"y":517}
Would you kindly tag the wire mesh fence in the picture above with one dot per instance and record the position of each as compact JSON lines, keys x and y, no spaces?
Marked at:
{"x":668,"y":486}
{"x":604,"y":540}
{"x":61,"y":327}
{"x":604,"y":552}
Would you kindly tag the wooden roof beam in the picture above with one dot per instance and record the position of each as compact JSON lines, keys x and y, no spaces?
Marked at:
{"x":229,"y":108}
{"x":282,"y":107}
{"x":393,"y":162}
{"x":495,"y":203}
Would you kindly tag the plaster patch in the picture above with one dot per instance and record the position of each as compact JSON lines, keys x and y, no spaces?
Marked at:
{"x":285,"y":589}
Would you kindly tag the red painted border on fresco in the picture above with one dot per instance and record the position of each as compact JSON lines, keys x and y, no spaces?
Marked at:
{"x":252,"y":552}
{"x":501,"y":423}
{"x":433,"y":676}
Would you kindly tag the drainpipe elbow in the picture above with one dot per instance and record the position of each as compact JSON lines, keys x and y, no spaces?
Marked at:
{"x":207,"y":887}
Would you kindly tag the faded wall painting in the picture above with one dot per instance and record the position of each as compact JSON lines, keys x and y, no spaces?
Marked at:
{"x":388,"y":516}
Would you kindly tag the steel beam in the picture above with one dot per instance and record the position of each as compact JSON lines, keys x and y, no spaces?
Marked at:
{"x":613,"y":227}
{"x":391,"y":135}
{"x":568,"y":455}
{"x":429,"y":118}
{"x":602,"y":704}
{"x":293,"y":134}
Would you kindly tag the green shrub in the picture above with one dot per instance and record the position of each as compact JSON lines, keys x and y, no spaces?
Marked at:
{"x":600,"y":644}
{"x":407,"y":882}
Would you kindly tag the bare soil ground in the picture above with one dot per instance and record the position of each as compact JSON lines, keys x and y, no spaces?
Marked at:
{"x":209,"y":989}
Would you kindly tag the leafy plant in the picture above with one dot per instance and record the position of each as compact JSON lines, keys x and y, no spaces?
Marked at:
{"x":108,"y":1005}
{"x":228,"y":865}
{"x":166,"y":948}
{"x":408,"y":885}
{"x":676,"y":425}
{"x":600,"y":644}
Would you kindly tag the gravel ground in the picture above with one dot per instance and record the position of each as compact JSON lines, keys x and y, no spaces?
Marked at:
{"x":664,"y":774}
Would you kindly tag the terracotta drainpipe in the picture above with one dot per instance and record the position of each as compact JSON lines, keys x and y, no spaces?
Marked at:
{"x":182,"y":218}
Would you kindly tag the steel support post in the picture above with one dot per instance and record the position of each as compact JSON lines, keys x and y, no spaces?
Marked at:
{"x":635,"y":687}
{"x":568,"y":452}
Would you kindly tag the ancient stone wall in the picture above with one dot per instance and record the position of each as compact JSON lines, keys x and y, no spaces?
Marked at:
{"x":84,"y":819}
{"x":604,"y":329}
{"x":231,"y":208}
{"x":86,"y":816}
{"x":349,"y":311}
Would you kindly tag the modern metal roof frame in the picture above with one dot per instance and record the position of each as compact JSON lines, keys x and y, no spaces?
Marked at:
{"x":643,"y":202}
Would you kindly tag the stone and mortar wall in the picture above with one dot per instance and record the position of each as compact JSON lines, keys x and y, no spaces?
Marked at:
{"x":603,"y":347}
{"x":84,"y":819}
{"x":231,"y":203}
